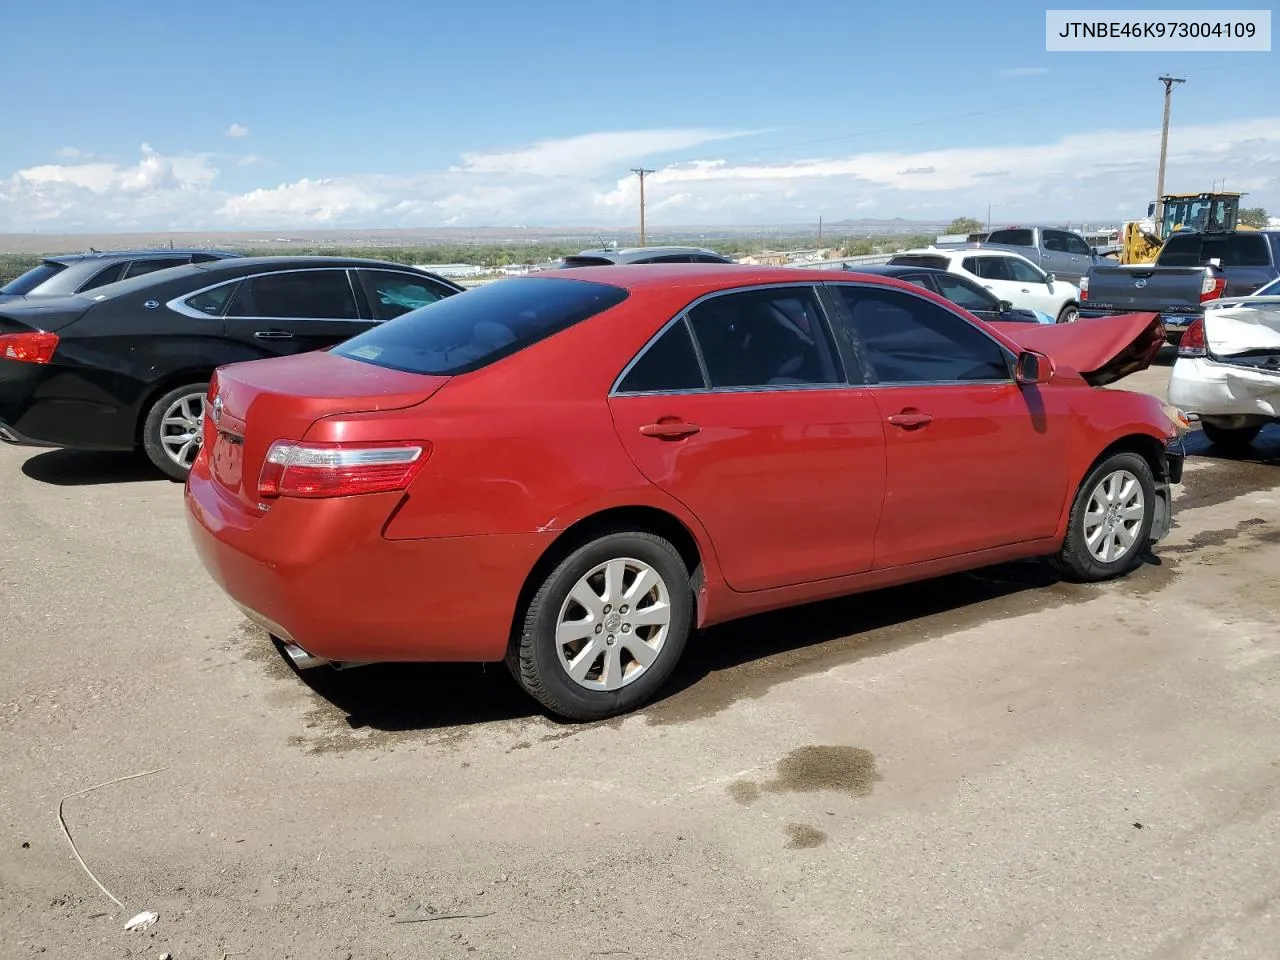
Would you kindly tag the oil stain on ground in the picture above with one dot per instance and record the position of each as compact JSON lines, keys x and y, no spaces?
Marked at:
{"x":801,"y":836}
{"x":848,"y":770}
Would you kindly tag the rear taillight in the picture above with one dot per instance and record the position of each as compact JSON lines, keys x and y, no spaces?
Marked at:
{"x":35,"y":347}
{"x":1212,"y":287}
{"x":1192,"y":343}
{"x":1084,"y":288}
{"x":296,"y":469}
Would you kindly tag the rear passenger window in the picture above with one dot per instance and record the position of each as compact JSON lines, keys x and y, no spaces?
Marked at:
{"x":140,"y":267}
{"x":670,"y":363}
{"x":100,"y":279}
{"x":911,"y":340}
{"x":764,"y":338}
{"x":988,"y":268}
{"x":299,"y":295}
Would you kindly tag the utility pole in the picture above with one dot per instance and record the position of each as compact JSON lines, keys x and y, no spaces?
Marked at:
{"x":1164,"y":144}
{"x":641,"y":173}
{"x":819,"y":230}
{"x":988,"y":218}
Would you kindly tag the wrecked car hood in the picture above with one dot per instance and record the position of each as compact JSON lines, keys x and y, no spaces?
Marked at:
{"x":1101,"y":349}
{"x":1243,"y":326}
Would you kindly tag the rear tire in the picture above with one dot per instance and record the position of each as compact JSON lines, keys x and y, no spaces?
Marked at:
{"x":1230,"y":438}
{"x":173,"y":430}
{"x":1070,"y":314}
{"x":605,"y":628}
{"x":1110,"y":524}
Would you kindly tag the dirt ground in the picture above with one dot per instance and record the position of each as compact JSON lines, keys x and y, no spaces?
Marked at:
{"x":987,"y":766}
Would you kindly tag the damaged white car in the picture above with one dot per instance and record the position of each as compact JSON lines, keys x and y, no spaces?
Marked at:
{"x":1228,"y":367}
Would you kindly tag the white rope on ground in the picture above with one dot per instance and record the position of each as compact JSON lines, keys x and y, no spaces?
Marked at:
{"x":67,"y":833}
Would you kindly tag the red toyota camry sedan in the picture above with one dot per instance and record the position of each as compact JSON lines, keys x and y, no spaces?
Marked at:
{"x":571,"y":472}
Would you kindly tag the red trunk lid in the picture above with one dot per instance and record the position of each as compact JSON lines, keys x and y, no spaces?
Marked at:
{"x":263,"y":401}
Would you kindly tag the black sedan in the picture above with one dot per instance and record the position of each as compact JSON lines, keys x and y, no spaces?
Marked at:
{"x":127,"y":365}
{"x":963,"y":293}
{"x":60,"y":276}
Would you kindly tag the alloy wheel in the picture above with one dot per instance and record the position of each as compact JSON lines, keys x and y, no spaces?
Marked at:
{"x":182,"y":429}
{"x":613,"y":624}
{"x":1113,"y":518}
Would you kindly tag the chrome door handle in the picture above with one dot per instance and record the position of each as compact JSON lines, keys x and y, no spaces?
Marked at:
{"x":273,"y":335}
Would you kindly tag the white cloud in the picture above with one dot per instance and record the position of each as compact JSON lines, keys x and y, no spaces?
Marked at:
{"x":67,"y":153}
{"x":237,"y":130}
{"x":584,"y":180}
{"x":590,"y":153}
{"x":1022,"y":72}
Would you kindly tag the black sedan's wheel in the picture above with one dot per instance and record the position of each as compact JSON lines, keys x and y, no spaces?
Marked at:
{"x":605,"y":628}
{"x":1110,"y":524}
{"x":174,"y":430}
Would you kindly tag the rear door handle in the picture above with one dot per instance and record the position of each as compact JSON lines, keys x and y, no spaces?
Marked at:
{"x":274,"y":335}
{"x":669,"y":429}
{"x":910,"y":420}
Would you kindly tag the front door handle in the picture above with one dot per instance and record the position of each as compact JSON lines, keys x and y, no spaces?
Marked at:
{"x":274,"y":335}
{"x":669,"y":429}
{"x":910,"y":420}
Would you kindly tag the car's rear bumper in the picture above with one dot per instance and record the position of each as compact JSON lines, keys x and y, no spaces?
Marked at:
{"x":319,"y":574}
{"x":1208,"y":388}
{"x":50,"y":405}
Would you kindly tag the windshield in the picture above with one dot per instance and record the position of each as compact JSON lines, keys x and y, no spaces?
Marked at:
{"x":37,"y":275}
{"x":1272,"y":289}
{"x":464,"y":333}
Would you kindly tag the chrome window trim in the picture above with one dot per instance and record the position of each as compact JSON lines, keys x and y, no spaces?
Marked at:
{"x":179,"y":305}
{"x":706,"y":377}
{"x":1010,"y":359}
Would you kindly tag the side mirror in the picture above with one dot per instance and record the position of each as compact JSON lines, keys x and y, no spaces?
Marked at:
{"x":1049,"y":278}
{"x":1033,"y":368}
{"x":1004,"y":306}
{"x":1151,"y":209}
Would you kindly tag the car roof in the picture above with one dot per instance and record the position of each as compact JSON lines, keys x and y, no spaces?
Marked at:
{"x":109,"y":256}
{"x":692,"y":277}
{"x":892,"y":269}
{"x":627,"y":253}
{"x":267,"y":263}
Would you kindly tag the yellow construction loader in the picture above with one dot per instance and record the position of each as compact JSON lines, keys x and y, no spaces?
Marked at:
{"x":1213,"y":212}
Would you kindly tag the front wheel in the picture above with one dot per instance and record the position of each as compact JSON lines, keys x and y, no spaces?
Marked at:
{"x":174,"y":430}
{"x":1070,"y":314}
{"x":1110,"y":523}
{"x":605,"y":628}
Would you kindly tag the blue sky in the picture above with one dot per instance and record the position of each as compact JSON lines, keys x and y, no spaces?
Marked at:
{"x":503,"y":113}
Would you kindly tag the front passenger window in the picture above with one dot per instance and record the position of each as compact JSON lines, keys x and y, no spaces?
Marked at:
{"x":910,"y":340}
{"x":764,"y":338}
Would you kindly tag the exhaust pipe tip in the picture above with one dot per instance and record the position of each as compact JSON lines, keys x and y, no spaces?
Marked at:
{"x":301,"y":659}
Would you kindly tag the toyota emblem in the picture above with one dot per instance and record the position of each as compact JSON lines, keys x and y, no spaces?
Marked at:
{"x":217,"y":409}
{"x":1139,"y":284}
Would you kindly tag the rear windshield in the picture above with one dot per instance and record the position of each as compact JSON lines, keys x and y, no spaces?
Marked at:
{"x":464,"y":333}
{"x":1233,"y":249}
{"x":587,"y":262}
{"x":37,"y":275}
{"x":1012,"y":238}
